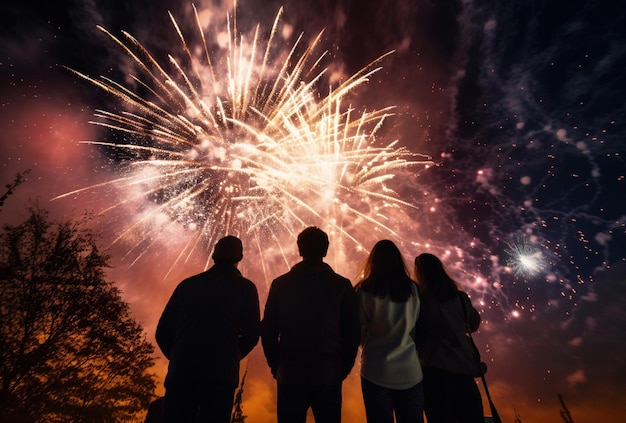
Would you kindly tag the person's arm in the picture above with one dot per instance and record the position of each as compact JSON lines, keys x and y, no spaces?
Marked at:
{"x":472,"y":315}
{"x":350,"y":329}
{"x":167,"y":326}
{"x":473,"y":319}
{"x":270,"y":331}
{"x":250,"y":322}
{"x":363,"y":318}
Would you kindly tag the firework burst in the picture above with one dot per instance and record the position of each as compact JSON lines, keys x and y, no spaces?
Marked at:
{"x":525,"y":258}
{"x":238,"y":140}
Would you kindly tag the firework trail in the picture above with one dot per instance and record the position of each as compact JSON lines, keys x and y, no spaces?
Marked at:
{"x":238,"y":140}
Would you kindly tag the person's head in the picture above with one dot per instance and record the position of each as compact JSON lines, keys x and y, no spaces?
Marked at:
{"x":432,"y":277}
{"x":228,"y":250}
{"x":384,"y":259}
{"x":313,"y":243}
{"x":385,"y":274}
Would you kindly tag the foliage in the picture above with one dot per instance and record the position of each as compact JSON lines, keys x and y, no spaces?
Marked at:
{"x":69,"y":347}
{"x":238,"y":416}
{"x":10,"y":188}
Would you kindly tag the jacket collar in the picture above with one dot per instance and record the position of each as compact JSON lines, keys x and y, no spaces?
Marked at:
{"x":311,"y":267}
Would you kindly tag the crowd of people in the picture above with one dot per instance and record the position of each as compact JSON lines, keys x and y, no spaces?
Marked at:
{"x":412,"y":333}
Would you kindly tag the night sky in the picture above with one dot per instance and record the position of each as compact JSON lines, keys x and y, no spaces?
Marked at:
{"x":519,"y":104}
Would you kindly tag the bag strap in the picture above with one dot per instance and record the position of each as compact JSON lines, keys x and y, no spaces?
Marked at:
{"x":492,"y":406}
{"x":468,"y":332}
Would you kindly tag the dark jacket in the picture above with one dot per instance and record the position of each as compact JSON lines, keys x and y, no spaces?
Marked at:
{"x":440,"y":333}
{"x":310,"y":330}
{"x":209,"y":324}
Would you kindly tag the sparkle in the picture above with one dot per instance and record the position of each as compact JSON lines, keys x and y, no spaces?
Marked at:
{"x":525,"y":258}
{"x":239,"y":140}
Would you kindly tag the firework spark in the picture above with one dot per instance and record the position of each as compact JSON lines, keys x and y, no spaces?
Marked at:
{"x":238,"y":140}
{"x":525,"y":258}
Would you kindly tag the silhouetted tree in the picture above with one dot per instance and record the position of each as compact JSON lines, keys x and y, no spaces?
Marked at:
{"x":70,"y":350}
{"x":238,"y":416}
{"x":10,"y":188}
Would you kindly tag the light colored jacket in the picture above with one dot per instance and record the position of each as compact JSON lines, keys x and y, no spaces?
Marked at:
{"x":388,"y":356}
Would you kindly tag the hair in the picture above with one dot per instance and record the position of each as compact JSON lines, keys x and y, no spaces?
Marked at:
{"x":433,"y":279}
{"x":313,"y":243}
{"x":228,"y":250}
{"x":385,"y":273}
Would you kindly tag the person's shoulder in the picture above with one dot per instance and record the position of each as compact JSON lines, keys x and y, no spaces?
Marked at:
{"x":342,"y":279}
{"x":191,"y":280}
{"x":248,"y":283}
{"x":281,"y":280}
{"x":296,"y":271}
{"x":463,"y":295}
{"x":190,"y":284}
{"x":229,"y":274}
{"x":362,"y":294}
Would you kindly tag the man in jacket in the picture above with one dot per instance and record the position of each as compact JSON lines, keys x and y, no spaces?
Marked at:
{"x":310,"y":334}
{"x":209,"y":324}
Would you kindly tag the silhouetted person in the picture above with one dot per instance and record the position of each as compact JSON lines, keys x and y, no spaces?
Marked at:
{"x":209,"y":324}
{"x":155,"y":411}
{"x":449,"y":365}
{"x":310,"y":334}
{"x":389,"y":306}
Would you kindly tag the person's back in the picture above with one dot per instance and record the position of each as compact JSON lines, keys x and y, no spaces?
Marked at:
{"x":312,"y":308}
{"x":205,"y":343}
{"x":310,"y":334}
{"x":389,"y":355}
{"x":389,"y":306}
{"x":209,"y":324}
{"x":448,"y":362}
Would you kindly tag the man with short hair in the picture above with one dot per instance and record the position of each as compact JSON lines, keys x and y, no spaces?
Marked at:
{"x":310,"y":334}
{"x":209,"y":324}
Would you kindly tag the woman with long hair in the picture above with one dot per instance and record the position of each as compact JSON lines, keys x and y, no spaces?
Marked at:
{"x":448,"y":362}
{"x":389,"y":304}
